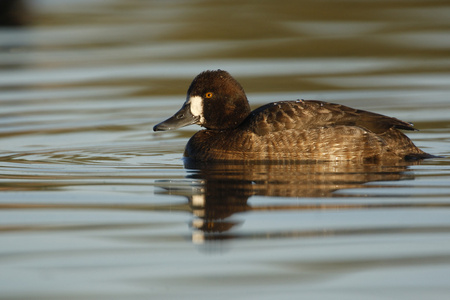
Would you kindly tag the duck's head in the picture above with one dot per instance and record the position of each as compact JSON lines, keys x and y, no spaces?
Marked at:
{"x":215,"y":100}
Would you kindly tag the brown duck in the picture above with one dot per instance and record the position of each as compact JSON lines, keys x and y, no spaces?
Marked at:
{"x":302,"y":130}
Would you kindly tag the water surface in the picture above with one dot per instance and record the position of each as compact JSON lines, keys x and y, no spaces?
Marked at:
{"x":95,"y":205}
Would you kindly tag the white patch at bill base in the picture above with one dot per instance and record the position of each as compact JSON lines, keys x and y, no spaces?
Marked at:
{"x":196,"y":106}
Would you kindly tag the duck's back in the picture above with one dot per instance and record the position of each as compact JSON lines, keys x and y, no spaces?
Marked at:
{"x":307,"y":130}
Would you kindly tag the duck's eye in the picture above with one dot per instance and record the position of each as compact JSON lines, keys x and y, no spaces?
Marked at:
{"x":208,"y":95}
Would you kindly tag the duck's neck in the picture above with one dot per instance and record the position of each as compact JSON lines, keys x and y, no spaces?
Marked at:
{"x":229,"y":115}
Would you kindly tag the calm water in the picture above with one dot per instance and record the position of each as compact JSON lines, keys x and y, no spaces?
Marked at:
{"x":95,"y":205}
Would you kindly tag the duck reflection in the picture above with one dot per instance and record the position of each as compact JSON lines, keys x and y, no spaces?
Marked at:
{"x":224,"y":189}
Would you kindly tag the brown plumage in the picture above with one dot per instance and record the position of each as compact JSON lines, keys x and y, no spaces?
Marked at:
{"x":301,"y":130}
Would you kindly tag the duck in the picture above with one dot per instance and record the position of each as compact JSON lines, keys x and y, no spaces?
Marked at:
{"x":283,"y":131}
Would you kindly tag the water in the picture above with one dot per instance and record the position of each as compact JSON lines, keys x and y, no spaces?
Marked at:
{"x":95,"y":205}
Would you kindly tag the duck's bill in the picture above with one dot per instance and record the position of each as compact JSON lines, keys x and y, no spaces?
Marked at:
{"x":182,"y":118}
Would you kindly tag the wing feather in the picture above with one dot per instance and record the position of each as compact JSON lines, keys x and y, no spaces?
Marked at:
{"x":311,"y":114}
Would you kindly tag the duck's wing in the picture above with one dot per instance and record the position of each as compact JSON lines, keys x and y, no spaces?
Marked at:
{"x":310,"y":114}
